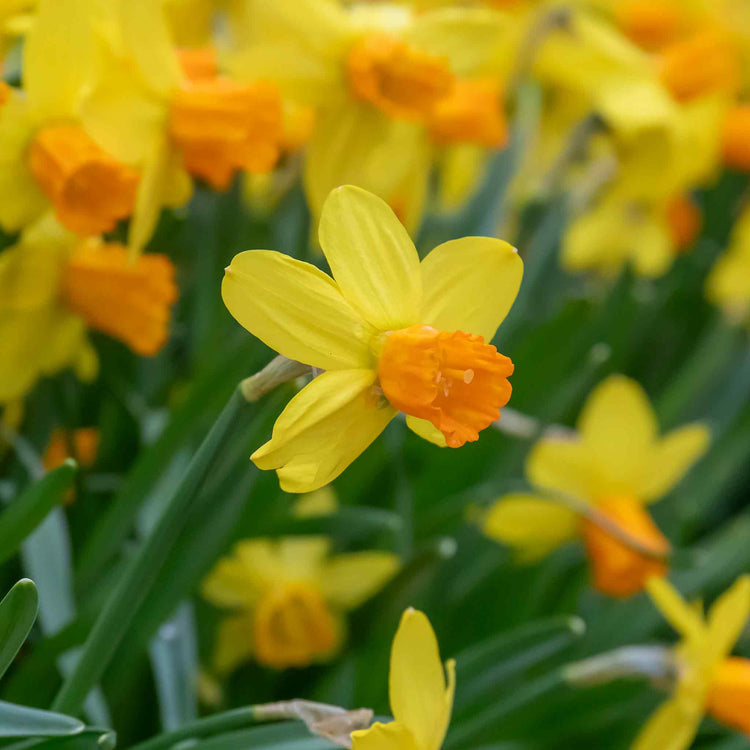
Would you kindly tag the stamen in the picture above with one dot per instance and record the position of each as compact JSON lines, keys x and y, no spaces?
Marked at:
{"x":128,"y":300}
{"x":454,"y":380}
{"x":729,"y":694}
{"x":402,"y":81}
{"x":221,"y":126}
{"x":619,"y":570}
{"x":89,"y":189}
{"x":471,"y":113}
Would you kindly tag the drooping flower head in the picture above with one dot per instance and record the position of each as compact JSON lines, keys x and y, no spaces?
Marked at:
{"x":617,"y":463}
{"x":421,"y":697}
{"x":709,"y":680}
{"x":391,"y":333}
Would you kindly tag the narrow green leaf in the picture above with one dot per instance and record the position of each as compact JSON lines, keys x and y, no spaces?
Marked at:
{"x":22,"y":721}
{"x":17,"y":614}
{"x":25,"y":513}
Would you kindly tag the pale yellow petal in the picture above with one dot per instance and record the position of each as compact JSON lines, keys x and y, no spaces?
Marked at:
{"x":262,"y":562}
{"x":295,"y":309}
{"x":619,"y":428}
{"x":467,"y":38}
{"x":230,"y":584}
{"x":372,"y":258}
{"x":420,"y":698}
{"x":531,"y":526}
{"x":30,"y":276}
{"x":323,"y":429}
{"x":671,"y":727}
{"x":234,"y":643}
{"x":470,"y":285}
{"x":58,"y":58}
{"x":427,"y":431}
{"x":671,"y":458}
{"x":728,"y":617}
{"x":653,"y":248}
{"x":303,"y":557}
{"x":347,"y":580}
{"x":678,"y":613}
{"x":561,"y":464}
{"x":393,"y":736}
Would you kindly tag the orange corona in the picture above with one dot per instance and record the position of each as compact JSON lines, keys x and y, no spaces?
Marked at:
{"x":454,"y":380}
{"x":736,"y":138}
{"x":619,"y":570}
{"x":685,"y":220}
{"x":127,"y":299}
{"x":198,"y":63}
{"x":651,"y":24}
{"x":402,"y":81}
{"x":89,"y":189}
{"x":729,"y":694}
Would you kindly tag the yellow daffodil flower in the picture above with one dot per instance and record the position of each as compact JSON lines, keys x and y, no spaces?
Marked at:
{"x":288,"y":595}
{"x":617,"y":463}
{"x":391,"y":333}
{"x":54,"y":286}
{"x":709,"y":680}
{"x":46,"y":157}
{"x":173,"y":121}
{"x":728,"y":285}
{"x":421,"y":699}
{"x":383,"y":81}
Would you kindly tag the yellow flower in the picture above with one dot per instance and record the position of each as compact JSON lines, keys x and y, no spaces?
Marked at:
{"x":708,"y":680}
{"x":392,"y":334}
{"x":46,"y":157}
{"x":288,"y":595}
{"x":617,"y":463}
{"x":172,"y":122}
{"x":374,"y":75}
{"x":728,"y":284}
{"x":54,"y":286}
{"x":15,"y":18}
{"x":421,"y":701}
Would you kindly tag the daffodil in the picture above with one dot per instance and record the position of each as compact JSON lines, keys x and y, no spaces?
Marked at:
{"x":55,"y":286}
{"x":147,"y":110}
{"x":421,"y":698}
{"x":616,"y":463}
{"x":47,"y":159}
{"x":288,"y":596}
{"x":728,"y":284}
{"x":382,"y":81}
{"x":391,"y":333}
{"x":709,"y":680}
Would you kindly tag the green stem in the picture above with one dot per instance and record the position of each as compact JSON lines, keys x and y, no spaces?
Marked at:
{"x":140,"y":573}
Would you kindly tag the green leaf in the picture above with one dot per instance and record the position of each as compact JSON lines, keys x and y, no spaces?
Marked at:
{"x":17,"y":614}
{"x":21,"y":721}
{"x":25,"y":513}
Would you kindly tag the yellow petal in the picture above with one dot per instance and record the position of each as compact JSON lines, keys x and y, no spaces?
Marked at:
{"x":420,"y":698}
{"x":671,"y":458}
{"x":678,"y":613}
{"x":671,"y":727}
{"x":563,"y":465}
{"x":30,"y":276}
{"x":427,"y":431}
{"x":530,"y":525}
{"x":372,"y":258}
{"x":146,"y":37}
{"x":728,"y":617}
{"x":348,"y":580}
{"x":470,"y":285}
{"x":296,"y":309}
{"x":654,"y":250}
{"x":58,"y":57}
{"x":229,"y":584}
{"x":303,"y":557}
{"x":468,"y":38}
{"x":619,"y":427}
{"x":393,"y":736}
{"x":234,"y":642}
{"x":323,"y":429}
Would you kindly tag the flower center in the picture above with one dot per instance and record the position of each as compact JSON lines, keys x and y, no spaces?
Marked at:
{"x":619,"y":570}
{"x":89,"y":189}
{"x":736,"y":138}
{"x":471,"y":113}
{"x":128,"y":300}
{"x":221,"y":126}
{"x":729,"y":694}
{"x":704,"y":63}
{"x":395,"y":77}
{"x":454,"y":380}
{"x":293,"y":626}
